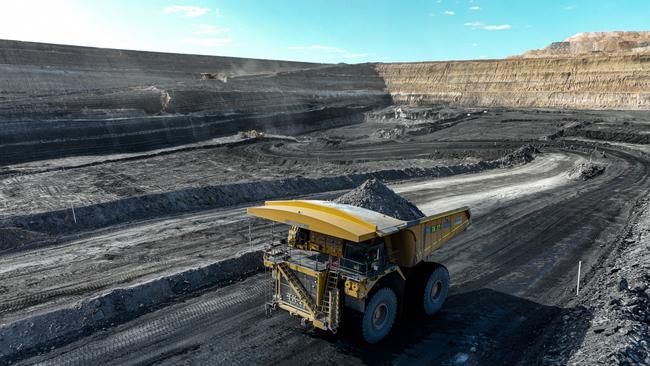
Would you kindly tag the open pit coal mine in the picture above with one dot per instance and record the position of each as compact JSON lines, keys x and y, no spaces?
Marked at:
{"x":125,"y":178}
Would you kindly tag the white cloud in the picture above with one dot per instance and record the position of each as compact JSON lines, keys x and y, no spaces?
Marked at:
{"x":62,"y":22}
{"x":208,"y":42}
{"x":475,"y":8}
{"x":449,"y":12}
{"x":570,"y":7}
{"x":317,"y":48}
{"x":498,"y":27}
{"x":340,"y":52}
{"x":208,"y":29}
{"x":479,"y":25}
{"x":188,"y":10}
{"x":79,"y":23}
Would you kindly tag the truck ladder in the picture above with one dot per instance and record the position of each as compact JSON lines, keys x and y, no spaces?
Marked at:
{"x":330,"y":305}
{"x":297,"y":287}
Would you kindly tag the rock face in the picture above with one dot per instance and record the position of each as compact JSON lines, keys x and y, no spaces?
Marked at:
{"x":374,"y":195}
{"x":604,"y":82}
{"x":596,"y":43}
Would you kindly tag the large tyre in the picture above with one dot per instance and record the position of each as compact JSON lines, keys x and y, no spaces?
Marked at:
{"x":436,"y":290}
{"x":380,"y":314}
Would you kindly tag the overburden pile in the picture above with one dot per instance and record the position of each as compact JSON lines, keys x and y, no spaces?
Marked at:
{"x":522,"y":155}
{"x":374,"y":195}
{"x":586,"y":171}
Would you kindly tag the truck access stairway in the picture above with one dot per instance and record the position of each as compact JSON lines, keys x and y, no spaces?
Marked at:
{"x":297,"y":286}
{"x":330,"y":306}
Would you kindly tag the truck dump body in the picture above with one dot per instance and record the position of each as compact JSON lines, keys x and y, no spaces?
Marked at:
{"x":343,"y":221}
{"x":338,"y":256}
{"x":415,"y":240}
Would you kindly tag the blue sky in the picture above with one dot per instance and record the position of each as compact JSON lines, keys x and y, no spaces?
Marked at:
{"x":320,"y":30}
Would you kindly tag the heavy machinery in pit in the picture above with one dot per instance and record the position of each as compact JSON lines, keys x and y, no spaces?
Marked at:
{"x":341,"y":259}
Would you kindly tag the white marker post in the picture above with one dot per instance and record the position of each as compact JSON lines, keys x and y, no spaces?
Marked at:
{"x":74,"y":217}
{"x":250,"y":238}
{"x":578,"y":285}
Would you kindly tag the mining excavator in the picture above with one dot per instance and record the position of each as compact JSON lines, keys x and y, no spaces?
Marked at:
{"x":341,"y":260}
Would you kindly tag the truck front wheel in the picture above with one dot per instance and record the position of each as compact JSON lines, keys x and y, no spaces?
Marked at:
{"x":436,"y":290}
{"x":379,"y":316}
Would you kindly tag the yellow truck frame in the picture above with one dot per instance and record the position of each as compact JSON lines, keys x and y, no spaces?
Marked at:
{"x":345,"y":259}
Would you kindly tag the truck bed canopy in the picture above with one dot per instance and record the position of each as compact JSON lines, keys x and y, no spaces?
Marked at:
{"x":339,"y":220}
{"x":348,"y":222}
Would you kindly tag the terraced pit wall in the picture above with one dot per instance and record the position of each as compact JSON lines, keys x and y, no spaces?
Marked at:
{"x":58,"y":101}
{"x":615,"y":82}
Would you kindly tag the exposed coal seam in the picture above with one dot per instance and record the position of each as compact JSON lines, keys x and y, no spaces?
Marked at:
{"x":581,"y":130}
{"x":97,"y":140}
{"x":142,"y":156}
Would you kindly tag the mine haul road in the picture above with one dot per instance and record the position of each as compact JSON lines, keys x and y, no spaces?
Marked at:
{"x":513,"y":271}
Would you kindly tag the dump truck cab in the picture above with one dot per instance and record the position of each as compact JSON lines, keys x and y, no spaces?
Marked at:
{"x":340,"y":258}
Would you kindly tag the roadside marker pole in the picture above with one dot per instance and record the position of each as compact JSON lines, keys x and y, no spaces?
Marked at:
{"x":578,"y":286}
{"x":74,"y":217}
{"x":250,"y":238}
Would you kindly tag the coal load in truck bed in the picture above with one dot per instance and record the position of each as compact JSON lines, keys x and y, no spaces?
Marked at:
{"x":374,"y":195}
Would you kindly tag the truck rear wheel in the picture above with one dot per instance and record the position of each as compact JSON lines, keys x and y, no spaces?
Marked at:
{"x":436,"y":290}
{"x":380,"y":314}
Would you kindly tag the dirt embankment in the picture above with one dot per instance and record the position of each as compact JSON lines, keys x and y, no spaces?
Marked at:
{"x":606,"y":82}
{"x":40,"y":333}
{"x":209,"y":197}
{"x":613,"y":310}
{"x":619,"y":331}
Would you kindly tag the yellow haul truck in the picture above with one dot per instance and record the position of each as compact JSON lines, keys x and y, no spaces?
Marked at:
{"x":343,"y":258}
